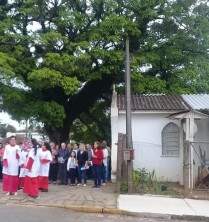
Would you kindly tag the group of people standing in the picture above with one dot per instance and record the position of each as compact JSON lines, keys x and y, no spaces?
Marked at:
{"x":32,"y":166}
{"x":75,"y":163}
{"x":25,"y":167}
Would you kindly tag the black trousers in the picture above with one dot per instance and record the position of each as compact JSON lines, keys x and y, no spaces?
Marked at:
{"x":89,"y":173}
{"x":53,"y":171}
{"x":1,"y":167}
{"x":62,"y":173}
{"x":72,"y":175}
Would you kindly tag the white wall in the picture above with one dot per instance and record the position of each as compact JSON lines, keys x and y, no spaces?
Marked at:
{"x":146,"y":129}
{"x":114,"y":139}
{"x":114,"y":134}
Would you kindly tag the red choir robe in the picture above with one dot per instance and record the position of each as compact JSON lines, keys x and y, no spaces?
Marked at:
{"x":10,"y":168}
{"x":46,"y":158}
{"x":31,"y":187}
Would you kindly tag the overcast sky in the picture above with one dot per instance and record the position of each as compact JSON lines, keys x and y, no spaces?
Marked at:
{"x":6,"y":118}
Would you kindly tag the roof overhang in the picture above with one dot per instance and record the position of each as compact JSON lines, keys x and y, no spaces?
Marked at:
{"x":150,"y":112}
{"x":187,"y":114}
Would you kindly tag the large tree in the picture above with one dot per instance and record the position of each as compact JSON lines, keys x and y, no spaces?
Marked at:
{"x":60,"y":57}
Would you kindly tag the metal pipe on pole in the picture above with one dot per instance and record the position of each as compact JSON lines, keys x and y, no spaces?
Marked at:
{"x":129,"y":142}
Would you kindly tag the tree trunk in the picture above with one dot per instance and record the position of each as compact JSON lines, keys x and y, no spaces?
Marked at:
{"x":80,"y":103}
{"x":59,"y":135}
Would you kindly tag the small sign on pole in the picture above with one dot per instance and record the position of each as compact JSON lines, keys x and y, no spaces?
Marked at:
{"x":128,"y":155}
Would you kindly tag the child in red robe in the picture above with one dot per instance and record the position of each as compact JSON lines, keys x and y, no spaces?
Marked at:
{"x":46,"y":158}
{"x":22,"y":162}
{"x":11,"y":167}
{"x":31,"y":186}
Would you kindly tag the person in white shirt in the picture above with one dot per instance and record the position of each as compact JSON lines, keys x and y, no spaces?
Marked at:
{"x":104,"y":167}
{"x":11,"y":167}
{"x":108,"y":171}
{"x":31,"y":185}
{"x":46,"y":158}
{"x":26,"y":146}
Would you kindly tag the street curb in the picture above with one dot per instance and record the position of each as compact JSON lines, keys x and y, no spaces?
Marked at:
{"x":190,"y":218}
{"x":115,"y":211}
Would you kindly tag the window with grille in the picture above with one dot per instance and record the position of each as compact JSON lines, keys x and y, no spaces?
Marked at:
{"x":170,"y":140}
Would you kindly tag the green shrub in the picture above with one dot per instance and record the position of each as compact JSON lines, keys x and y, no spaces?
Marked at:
{"x":124,"y":187}
{"x":145,"y":181}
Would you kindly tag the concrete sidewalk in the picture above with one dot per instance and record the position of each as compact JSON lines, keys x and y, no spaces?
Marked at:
{"x":81,"y":198}
{"x":159,"y":205}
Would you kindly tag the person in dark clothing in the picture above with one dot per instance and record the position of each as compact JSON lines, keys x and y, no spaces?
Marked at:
{"x":82,"y":158}
{"x":54,"y":164}
{"x":1,"y":160}
{"x":89,"y":172}
{"x":63,"y":155}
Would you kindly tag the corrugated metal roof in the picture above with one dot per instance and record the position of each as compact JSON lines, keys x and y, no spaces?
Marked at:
{"x":197,"y":101}
{"x":156,"y":102}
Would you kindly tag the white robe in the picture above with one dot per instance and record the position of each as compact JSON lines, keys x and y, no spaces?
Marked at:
{"x":34,"y":172}
{"x":22,"y":161}
{"x":13,"y":163}
{"x":44,"y":169}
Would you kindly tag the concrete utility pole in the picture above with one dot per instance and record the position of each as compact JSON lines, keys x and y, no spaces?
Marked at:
{"x":129,"y":142}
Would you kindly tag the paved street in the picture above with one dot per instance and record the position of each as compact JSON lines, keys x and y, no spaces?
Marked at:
{"x":11,"y":213}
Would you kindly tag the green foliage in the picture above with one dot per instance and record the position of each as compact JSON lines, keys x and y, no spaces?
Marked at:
{"x":145,"y":181}
{"x":65,"y":55}
{"x":52,"y":112}
{"x":47,"y":78}
{"x":176,"y":40}
{"x":93,"y":125}
{"x":148,"y":84}
{"x":124,"y":187}
{"x":6,"y":64}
